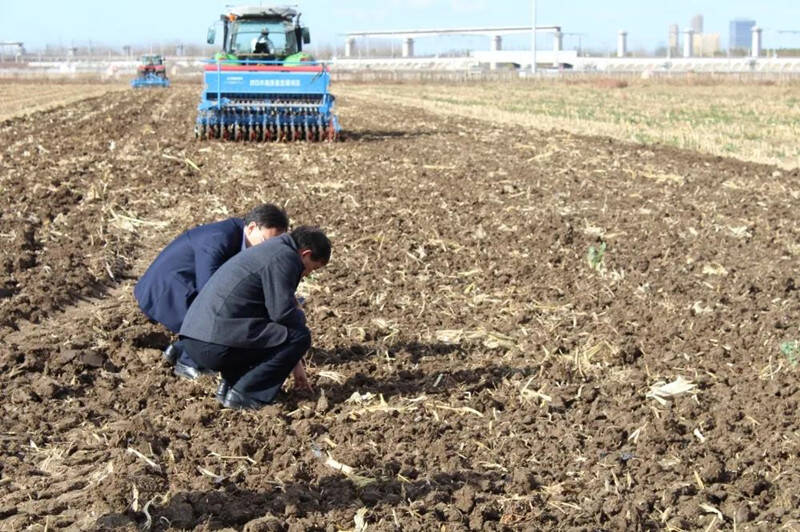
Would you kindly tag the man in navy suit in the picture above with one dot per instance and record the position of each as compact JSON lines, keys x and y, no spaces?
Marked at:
{"x":180,"y":271}
{"x":246,"y":322}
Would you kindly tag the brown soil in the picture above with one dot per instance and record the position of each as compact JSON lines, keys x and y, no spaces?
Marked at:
{"x":508,"y":373}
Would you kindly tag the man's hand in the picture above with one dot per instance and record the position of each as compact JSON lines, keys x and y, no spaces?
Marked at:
{"x":300,"y":378}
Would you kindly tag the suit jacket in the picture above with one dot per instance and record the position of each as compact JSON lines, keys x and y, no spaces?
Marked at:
{"x":180,"y":271}
{"x":249,"y":302}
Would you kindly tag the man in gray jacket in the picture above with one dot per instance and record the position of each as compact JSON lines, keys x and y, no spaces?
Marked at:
{"x":246,"y":322}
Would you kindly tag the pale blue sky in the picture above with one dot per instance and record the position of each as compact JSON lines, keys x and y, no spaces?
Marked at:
{"x":142,"y":22}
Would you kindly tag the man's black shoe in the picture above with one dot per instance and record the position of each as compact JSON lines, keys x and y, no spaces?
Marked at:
{"x":237,"y":401}
{"x":222,"y":390}
{"x":171,"y":354}
{"x":185,"y":371}
{"x":188,"y":372}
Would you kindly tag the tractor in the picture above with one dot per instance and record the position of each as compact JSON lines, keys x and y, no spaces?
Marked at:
{"x":151,"y":72}
{"x":261,"y":86}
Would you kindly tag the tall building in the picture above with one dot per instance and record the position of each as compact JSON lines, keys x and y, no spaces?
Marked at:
{"x":706,"y":44}
{"x":741,"y":34}
{"x":673,"y":42}
{"x":697,"y":24}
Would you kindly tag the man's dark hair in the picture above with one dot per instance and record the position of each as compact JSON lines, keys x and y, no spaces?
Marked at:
{"x":268,"y":215}
{"x":313,"y":238}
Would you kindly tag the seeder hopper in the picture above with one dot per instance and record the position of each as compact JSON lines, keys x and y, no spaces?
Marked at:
{"x":261,"y":86}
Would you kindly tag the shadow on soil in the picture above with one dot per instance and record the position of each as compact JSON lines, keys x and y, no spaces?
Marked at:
{"x":376,"y":136}
{"x":356,"y":352}
{"x":410,"y":382}
{"x":230,"y":506}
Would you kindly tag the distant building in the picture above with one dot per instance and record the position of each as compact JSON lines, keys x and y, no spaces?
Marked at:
{"x":741,"y":34}
{"x":12,"y":49}
{"x":674,"y":42}
{"x":706,"y":44}
{"x":697,"y":24}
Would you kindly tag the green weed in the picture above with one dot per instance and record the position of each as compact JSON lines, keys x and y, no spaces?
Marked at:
{"x":791,"y":351}
{"x":595,"y":256}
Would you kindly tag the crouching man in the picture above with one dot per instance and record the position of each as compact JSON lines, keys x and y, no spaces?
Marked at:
{"x":176,"y":276}
{"x":246,"y":322}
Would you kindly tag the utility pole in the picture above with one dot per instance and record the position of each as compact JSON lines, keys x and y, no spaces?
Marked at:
{"x":533,"y":37}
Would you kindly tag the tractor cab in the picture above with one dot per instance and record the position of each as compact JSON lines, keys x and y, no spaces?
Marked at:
{"x":260,"y":33}
{"x":151,"y":60}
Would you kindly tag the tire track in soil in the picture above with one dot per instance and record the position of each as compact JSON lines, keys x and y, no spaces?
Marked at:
{"x":58,"y":188}
{"x":459,"y":285}
{"x":51,"y":504}
{"x":78,"y":456}
{"x":39,"y":98}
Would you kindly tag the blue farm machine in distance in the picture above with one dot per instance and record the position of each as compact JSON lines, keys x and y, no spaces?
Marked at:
{"x":151,"y":72}
{"x":261,"y":86}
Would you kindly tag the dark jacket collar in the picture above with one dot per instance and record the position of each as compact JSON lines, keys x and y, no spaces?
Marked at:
{"x":288,"y":240}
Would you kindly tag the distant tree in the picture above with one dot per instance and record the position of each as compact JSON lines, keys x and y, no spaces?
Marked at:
{"x":788,"y":52}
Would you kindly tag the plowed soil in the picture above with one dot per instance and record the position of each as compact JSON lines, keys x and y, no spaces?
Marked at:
{"x":498,"y":307}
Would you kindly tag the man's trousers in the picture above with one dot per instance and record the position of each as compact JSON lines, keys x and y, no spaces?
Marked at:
{"x":255,"y":373}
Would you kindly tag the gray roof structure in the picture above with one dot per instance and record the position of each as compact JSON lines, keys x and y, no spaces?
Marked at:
{"x":410,"y":34}
{"x":284,"y":12}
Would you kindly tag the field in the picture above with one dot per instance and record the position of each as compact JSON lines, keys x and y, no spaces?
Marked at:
{"x":20,"y":98}
{"x":518,"y":330}
{"x":752,"y":121}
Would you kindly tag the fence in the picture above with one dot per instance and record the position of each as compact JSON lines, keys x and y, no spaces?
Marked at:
{"x":190,"y":69}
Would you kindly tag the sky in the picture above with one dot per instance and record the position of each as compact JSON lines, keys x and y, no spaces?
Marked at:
{"x":145,"y":22}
